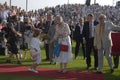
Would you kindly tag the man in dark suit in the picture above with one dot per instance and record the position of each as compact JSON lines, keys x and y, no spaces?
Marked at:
{"x":47,"y":25}
{"x":88,"y":39}
{"x":78,"y":37}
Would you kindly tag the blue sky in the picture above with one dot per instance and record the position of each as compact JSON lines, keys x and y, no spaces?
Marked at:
{"x":37,"y":4}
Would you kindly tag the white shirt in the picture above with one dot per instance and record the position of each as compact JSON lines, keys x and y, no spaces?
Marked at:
{"x":35,"y":43}
{"x":21,"y":18}
{"x":92,"y":30}
{"x":81,"y":29}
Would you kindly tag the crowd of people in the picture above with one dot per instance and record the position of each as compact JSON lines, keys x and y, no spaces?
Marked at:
{"x":21,"y":30}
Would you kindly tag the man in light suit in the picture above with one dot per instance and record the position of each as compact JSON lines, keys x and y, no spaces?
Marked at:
{"x":103,"y":42}
{"x":51,"y":33}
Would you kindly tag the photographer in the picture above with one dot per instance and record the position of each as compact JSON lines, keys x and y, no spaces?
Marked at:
{"x":12,"y":39}
{"x":26,"y":30}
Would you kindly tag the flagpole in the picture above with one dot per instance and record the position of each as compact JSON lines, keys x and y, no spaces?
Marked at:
{"x":68,"y":1}
{"x":10,"y":3}
{"x":94,"y":1}
{"x":26,"y":5}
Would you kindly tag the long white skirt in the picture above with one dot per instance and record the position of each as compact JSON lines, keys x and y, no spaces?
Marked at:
{"x":65,"y":57}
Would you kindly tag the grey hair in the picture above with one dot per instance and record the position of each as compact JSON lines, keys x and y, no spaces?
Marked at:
{"x":103,"y":16}
{"x":58,"y":18}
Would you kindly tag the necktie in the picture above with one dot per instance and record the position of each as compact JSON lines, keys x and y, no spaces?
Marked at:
{"x":90,"y":30}
{"x":101,"y":31}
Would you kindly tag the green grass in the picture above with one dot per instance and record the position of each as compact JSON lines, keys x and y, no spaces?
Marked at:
{"x":78,"y":64}
{"x":11,"y":77}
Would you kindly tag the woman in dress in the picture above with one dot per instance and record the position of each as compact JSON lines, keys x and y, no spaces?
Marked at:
{"x":62,"y":35}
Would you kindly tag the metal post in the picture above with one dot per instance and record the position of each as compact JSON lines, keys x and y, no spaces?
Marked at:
{"x":94,"y":1}
{"x":26,"y":5}
{"x":10,"y":3}
{"x":68,"y":1}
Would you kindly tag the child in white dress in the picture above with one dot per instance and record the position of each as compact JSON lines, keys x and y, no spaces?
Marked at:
{"x":35,"y":50}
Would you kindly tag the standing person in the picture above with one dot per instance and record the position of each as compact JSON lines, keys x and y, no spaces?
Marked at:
{"x":35,"y":50}
{"x":78,"y":36}
{"x":103,"y":41}
{"x":47,"y":26}
{"x":51,"y":33}
{"x":62,"y":35}
{"x":12,"y":34}
{"x":72,"y":29}
{"x":17,"y":28}
{"x":88,"y":39}
{"x":115,"y":48}
{"x":26,"y":31}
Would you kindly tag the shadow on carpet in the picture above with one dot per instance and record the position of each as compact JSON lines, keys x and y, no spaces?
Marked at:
{"x":50,"y":73}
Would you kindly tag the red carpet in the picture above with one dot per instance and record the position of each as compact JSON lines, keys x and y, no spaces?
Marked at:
{"x":50,"y":73}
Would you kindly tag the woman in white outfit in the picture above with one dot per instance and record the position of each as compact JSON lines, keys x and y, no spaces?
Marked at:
{"x":62,"y":35}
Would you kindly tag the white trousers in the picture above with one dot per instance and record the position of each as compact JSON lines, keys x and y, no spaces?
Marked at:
{"x":107,"y":52}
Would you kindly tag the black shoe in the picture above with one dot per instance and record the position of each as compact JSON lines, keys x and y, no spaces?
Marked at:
{"x":115,"y":67}
{"x":84,"y":58}
{"x":99,"y":72}
{"x":112,"y":70}
{"x":52,"y":62}
{"x":75,"y":57}
{"x":8,"y":61}
{"x":95,"y":68}
{"x":19,"y":62}
{"x":47,"y":59}
{"x":88,"y":67}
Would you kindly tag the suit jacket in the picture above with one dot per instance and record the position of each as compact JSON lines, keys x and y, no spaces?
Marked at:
{"x":47,"y":25}
{"x":51,"y":32}
{"x":86,"y":29}
{"x":106,"y":38}
{"x":77,"y":33}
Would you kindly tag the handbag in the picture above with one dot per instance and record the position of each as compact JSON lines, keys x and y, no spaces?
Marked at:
{"x":63,"y":47}
{"x":56,"y":50}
